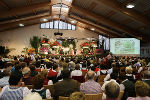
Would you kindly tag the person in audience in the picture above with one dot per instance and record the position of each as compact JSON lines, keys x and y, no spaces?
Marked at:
{"x":8,"y":66}
{"x":37,"y":83}
{"x":27,"y":79}
{"x":53,"y":72}
{"x":65,"y":66}
{"x":44,"y":73}
{"x":90,"y":87}
{"x":127,"y":86}
{"x":32,"y":96}
{"x":77,"y":96}
{"x":114,"y":70}
{"x":71,"y":64}
{"x":17,"y":70}
{"x":5,"y":79}
{"x":77,"y":71}
{"x":113,"y":77}
{"x":112,"y":91}
{"x":65,"y":87}
{"x":146,"y":77}
{"x":33,"y":71}
{"x":129,"y":74}
{"x":15,"y":89}
{"x":142,"y":90}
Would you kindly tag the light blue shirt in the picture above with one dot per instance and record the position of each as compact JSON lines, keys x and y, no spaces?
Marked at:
{"x":4,"y":81}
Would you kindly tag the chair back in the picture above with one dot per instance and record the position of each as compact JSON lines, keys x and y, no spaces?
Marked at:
{"x":48,"y":99}
{"x":63,"y":98}
{"x":120,"y":95}
{"x":80,"y":79}
{"x":93,"y":96}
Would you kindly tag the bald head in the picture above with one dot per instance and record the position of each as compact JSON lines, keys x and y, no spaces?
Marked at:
{"x":90,"y":74}
{"x":147,"y":74}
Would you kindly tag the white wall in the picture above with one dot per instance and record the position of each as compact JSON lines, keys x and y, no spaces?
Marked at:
{"x":19,"y":38}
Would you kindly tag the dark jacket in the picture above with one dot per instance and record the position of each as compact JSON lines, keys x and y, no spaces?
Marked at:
{"x":65,"y":88}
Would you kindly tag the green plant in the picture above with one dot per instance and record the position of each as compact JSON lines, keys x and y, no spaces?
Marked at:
{"x":35,"y":42}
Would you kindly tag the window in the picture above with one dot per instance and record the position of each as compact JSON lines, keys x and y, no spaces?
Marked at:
{"x":57,"y":24}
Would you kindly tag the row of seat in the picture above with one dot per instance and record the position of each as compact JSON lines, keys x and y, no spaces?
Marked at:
{"x":88,"y":96}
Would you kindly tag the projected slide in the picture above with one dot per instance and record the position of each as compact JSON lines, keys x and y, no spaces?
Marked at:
{"x":124,"y":46}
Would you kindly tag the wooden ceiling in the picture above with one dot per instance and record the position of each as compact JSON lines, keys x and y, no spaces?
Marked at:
{"x":108,"y":17}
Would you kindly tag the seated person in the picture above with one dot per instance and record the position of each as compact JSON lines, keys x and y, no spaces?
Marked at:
{"x":33,"y":71}
{"x":65,"y":87}
{"x":146,"y":77}
{"x":77,"y":71}
{"x":90,"y":86}
{"x":142,"y":90}
{"x":37,"y":83}
{"x":112,"y":91}
{"x":129,"y":74}
{"x":14,"y":91}
{"x":32,"y":96}
{"x":26,"y":76}
{"x":5,"y":79}
{"x":77,"y":96}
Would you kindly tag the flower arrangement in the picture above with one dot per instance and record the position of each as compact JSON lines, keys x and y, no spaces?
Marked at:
{"x":55,"y":44}
{"x":85,"y":44}
{"x":44,"y":49}
{"x":31,"y":51}
{"x":45,"y":40}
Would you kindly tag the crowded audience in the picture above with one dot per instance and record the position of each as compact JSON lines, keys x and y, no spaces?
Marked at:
{"x":128,"y":74}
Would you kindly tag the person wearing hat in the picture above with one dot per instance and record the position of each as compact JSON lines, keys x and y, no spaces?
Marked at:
{"x":26,"y":76}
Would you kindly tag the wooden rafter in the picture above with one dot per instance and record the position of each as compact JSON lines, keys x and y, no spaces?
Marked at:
{"x":107,"y":21}
{"x":93,"y":26}
{"x":111,"y":13}
{"x":92,"y":6}
{"x":147,"y":12}
{"x":115,"y":5}
{"x":24,"y":9}
{"x":22,"y":21}
{"x":127,"y":2}
{"x":4,"y":4}
{"x":126,"y":21}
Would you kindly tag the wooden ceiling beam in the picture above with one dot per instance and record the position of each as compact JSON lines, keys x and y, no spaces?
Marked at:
{"x":92,"y":6}
{"x":4,"y":4}
{"x":111,"y":13}
{"x":107,"y":21}
{"x":147,"y":12}
{"x":111,"y":34}
{"x":115,"y":5}
{"x":127,"y":2}
{"x":126,"y":21}
{"x":23,"y":21}
{"x":24,"y":9}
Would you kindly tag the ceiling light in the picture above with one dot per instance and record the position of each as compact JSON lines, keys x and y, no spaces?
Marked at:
{"x":21,"y":25}
{"x":130,"y":6}
{"x":44,"y":20}
{"x":73,"y":21}
{"x":92,"y":29}
{"x":68,"y":0}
